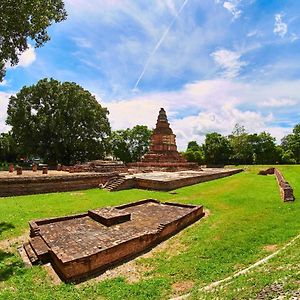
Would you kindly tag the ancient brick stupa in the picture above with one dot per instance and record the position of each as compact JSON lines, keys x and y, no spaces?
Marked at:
{"x":163,"y":150}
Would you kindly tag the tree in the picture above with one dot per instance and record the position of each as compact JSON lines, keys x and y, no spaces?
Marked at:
{"x":130,"y":145}
{"x":194,"y":153}
{"x":21,"y":20}
{"x":59,"y":122}
{"x":291,"y":143}
{"x":264,"y":148}
{"x":241,"y":144}
{"x":8,"y":148}
{"x":217,"y":149}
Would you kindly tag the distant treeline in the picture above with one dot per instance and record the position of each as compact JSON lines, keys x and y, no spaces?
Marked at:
{"x":241,"y":147}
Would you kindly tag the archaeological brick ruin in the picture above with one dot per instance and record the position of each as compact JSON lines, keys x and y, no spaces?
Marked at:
{"x":82,"y":245}
{"x":286,"y":191}
{"x":163,"y":154}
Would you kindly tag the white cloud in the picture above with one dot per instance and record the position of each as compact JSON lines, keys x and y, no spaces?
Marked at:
{"x":232,"y":7}
{"x":229,"y":61}
{"x":82,"y":42}
{"x":209,"y":105}
{"x":4,"y":99}
{"x":3,"y":82}
{"x":294,"y":37}
{"x":280,"y":28}
{"x":281,"y":102}
{"x":26,"y":58}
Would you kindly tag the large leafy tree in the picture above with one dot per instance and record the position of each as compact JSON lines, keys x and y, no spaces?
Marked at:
{"x":216,"y":148}
{"x":130,"y":145}
{"x":194,"y":153}
{"x":264,"y":148}
{"x":291,"y":143}
{"x":24,"y":20}
{"x":60,"y":122}
{"x":241,"y":144}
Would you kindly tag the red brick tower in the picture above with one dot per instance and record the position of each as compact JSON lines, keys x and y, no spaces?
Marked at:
{"x":163,"y":154}
{"x":163,"y":147}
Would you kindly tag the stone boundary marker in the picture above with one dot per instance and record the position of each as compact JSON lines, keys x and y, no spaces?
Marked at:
{"x":286,"y":191}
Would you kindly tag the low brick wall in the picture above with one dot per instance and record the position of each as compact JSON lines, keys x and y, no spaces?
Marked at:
{"x":286,"y":191}
{"x":48,"y":184}
{"x":175,"y":184}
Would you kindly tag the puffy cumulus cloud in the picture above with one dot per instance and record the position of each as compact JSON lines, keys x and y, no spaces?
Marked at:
{"x":229,"y":61}
{"x":4,"y":99}
{"x":281,"y":102}
{"x":280,"y":28}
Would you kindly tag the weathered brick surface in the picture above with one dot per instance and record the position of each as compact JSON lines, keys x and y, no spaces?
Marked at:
{"x":80,"y":245}
{"x":15,"y":186}
{"x":286,"y":191}
{"x":163,"y":149}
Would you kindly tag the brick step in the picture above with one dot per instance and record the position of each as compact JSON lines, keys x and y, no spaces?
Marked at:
{"x":31,"y":254}
{"x":40,"y":248}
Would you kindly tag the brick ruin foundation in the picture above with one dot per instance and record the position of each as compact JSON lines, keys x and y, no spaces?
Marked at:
{"x":286,"y":191}
{"x":82,"y":245}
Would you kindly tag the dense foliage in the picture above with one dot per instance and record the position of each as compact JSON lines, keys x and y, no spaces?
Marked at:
{"x":58,"y":122}
{"x":241,"y":147}
{"x":21,"y":20}
{"x":130,"y":145}
{"x":8,"y":148}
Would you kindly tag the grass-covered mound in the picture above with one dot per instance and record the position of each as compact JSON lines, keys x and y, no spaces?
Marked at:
{"x":247,"y":221}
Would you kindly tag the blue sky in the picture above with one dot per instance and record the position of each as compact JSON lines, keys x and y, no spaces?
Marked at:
{"x":210,"y":63}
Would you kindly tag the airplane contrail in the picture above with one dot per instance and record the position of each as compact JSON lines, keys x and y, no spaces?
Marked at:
{"x":159,"y":43}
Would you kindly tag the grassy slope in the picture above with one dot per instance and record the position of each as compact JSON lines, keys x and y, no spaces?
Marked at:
{"x":246,"y":214}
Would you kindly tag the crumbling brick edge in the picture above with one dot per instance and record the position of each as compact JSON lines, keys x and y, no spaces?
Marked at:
{"x":286,"y":191}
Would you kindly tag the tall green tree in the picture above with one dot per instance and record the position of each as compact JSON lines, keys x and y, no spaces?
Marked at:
{"x":217,"y":149}
{"x":59,"y":122}
{"x":194,"y":153}
{"x":22,"y":20}
{"x":264,"y":148}
{"x":8,"y":148}
{"x":130,"y":145}
{"x":241,"y":144}
{"x":291,"y":143}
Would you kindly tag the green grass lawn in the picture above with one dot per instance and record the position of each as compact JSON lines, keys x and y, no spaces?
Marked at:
{"x":246,"y":214}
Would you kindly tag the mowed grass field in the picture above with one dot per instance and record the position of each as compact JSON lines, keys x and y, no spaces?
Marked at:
{"x":246,"y":221}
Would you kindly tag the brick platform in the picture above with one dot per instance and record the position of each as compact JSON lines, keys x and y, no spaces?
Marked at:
{"x":81,"y":245}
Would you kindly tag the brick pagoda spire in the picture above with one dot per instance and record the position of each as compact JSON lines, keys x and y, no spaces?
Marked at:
{"x":163,"y":143}
{"x":163,"y":154}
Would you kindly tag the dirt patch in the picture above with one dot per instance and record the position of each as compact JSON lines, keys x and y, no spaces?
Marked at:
{"x":12,"y":243}
{"x":182,"y":286}
{"x":271,"y":248}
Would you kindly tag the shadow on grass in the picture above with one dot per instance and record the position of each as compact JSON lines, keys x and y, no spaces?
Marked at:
{"x":9,"y":262}
{"x":9,"y":265}
{"x":5,"y":226}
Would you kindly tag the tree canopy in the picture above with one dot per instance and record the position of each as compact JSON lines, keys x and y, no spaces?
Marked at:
{"x":21,"y":20}
{"x":59,"y":122}
{"x":216,"y":148}
{"x":130,"y":145}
